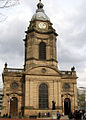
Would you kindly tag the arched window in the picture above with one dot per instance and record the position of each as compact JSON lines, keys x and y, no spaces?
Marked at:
{"x":43,"y":96}
{"x":42,"y":51}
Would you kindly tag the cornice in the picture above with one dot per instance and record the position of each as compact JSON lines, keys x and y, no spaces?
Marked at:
{"x":41,"y":32}
{"x":41,"y":60}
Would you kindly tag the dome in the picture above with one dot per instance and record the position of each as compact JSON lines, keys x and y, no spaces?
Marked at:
{"x":40,"y":14}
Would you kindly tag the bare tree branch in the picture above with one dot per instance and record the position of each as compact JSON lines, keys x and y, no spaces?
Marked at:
{"x":2,"y":17}
{"x":8,"y":3}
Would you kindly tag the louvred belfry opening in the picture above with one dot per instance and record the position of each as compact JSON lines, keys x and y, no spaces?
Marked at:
{"x":42,"y":51}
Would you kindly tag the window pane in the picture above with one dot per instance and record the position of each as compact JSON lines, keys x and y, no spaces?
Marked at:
{"x":43,"y":96}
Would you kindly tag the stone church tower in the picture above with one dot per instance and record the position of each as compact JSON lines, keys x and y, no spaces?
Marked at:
{"x":40,"y":86}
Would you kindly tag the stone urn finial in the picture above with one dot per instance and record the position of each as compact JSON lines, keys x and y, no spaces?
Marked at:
{"x":6,"y":65}
{"x":73,"y":69}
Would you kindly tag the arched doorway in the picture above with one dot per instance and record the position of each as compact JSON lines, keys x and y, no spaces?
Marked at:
{"x":43,"y":96}
{"x":67,"y":106}
{"x":14,"y":106}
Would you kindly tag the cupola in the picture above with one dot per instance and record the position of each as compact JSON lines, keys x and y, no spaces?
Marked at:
{"x":40,"y":13}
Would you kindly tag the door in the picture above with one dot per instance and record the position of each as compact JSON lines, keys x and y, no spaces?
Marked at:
{"x":14,"y":106}
{"x":67,"y":106}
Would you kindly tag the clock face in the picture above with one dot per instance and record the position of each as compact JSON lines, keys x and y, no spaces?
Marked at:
{"x":42,"y":25}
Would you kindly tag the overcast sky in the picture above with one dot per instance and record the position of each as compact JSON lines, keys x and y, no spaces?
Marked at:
{"x":69,"y":20}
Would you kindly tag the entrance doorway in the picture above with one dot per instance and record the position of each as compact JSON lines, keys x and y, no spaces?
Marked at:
{"x":67,"y":106}
{"x":14,"y":106}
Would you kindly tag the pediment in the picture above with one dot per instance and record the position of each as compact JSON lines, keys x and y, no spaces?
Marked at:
{"x":43,"y":70}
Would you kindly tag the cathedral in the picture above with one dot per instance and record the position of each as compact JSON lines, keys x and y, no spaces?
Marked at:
{"x":40,"y":87}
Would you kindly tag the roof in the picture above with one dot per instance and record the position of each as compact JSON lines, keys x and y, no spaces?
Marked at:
{"x":40,"y":14}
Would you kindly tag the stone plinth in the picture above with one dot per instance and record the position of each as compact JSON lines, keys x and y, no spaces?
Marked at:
{"x":54,"y":114}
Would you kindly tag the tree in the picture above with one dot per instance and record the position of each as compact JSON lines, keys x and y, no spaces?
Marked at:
{"x":81,"y":101}
{"x":6,"y":4}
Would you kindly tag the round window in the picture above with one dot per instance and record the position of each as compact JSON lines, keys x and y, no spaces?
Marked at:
{"x":14,"y":85}
{"x":66,"y":86}
{"x":43,"y":70}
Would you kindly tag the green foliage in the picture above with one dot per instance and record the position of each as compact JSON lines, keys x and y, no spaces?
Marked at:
{"x":81,"y":101}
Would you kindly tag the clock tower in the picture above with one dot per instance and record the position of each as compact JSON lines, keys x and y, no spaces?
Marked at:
{"x":40,"y":42}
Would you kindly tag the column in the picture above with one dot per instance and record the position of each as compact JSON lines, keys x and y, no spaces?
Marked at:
{"x":27,"y":92}
{"x":75,"y":95}
{"x":59,"y":93}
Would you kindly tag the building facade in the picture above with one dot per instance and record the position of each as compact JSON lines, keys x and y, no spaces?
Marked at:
{"x":40,"y":86}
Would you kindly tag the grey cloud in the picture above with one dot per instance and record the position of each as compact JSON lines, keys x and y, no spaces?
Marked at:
{"x":76,"y":35}
{"x":11,"y":41}
{"x":31,"y":4}
{"x":72,"y":41}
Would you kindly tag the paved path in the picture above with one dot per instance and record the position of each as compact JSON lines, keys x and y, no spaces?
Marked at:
{"x":29,"y":119}
{"x":50,"y":118}
{"x":64,"y":118}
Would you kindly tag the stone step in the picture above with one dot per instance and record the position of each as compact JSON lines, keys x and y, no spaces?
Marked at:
{"x":65,"y":117}
{"x":54,"y":118}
